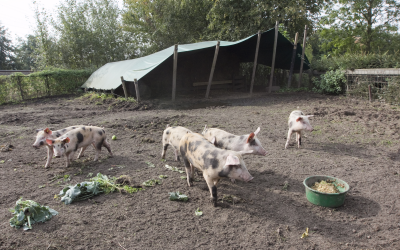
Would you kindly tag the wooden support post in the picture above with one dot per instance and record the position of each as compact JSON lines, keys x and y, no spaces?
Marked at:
{"x":112,"y":92}
{"x":20,"y":87}
{"x":273,"y":57}
{"x":293,"y":59}
{"x":124,"y":87}
{"x":302,"y":56}
{"x":137,"y":90}
{"x":174,"y":72}
{"x":46,"y":80}
{"x":255,"y":62}
{"x":369,"y":93}
{"x":212,"y":70}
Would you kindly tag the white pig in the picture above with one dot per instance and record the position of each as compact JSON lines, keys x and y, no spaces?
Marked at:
{"x":297,"y":123}
{"x":43,"y":134}
{"x":80,"y":137}
{"x":215,"y":163}
{"x":225,"y":140}
{"x":172,"y":136}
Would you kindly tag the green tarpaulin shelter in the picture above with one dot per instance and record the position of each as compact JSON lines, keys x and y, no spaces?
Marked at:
{"x":109,"y":76}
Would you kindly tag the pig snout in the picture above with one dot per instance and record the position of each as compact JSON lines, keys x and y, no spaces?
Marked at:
{"x":247,"y":177}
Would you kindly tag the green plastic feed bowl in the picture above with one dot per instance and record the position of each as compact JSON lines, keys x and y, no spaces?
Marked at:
{"x":325,"y":199}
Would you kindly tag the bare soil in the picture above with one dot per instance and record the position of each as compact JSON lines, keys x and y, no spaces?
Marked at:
{"x":353,"y":140}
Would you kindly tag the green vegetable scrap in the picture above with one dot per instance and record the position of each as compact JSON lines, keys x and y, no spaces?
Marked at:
{"x":176,"y":196}
{"x":150,"y":164}
{"x":175,"y":169}
{"x":28,"y":212}
{"x":183,"y":177}
{"x":163,"y":176}
{"x":97,"y":185}
{"x":198,"y":212}
{"x":151,"y":183}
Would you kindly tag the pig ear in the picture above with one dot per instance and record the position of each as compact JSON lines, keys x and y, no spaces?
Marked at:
{"x":251,"y":137}
{"x":258,"y":130}
{"x":232,"y":160}
{"x":248,"y":152}
{"x":50,"y":142}
{"x":47,"y":131}
{"x":298,"y":119}
{"x":66,"y":140}
{"x":204,"y":130}
{"x":213,"y":140}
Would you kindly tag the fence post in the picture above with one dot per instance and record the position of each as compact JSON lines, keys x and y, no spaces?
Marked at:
{"x":255,"y":62}
{"x":46,"y":80}
{"x":302,"y":56}
{"x":369,"y":93}
{"x":124,"y":87}
{"x":175,"y":67}
{"x":137,"y":90}
{"x":20,"y":87}
{"x":273,"y":57}
{"x":212,"y":70}
{"x":293,"y":59}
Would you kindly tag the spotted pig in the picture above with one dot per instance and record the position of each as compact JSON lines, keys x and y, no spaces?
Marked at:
{"x":225,"y":140}
{"x":172,"y":136}
{"x":70,"y":142}
{"x":43,"y":134}
{"x":297,"y":123}
{"x":215,"y":163}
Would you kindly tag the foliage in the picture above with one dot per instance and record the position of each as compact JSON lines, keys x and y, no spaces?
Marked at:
{"x":28,"y":212}
{"x":24,"y":53}
{"x":198,"y":212}
{"x":358,"y":61}
{"x":97,"y":185}
{"x":6,"y":50}
{"x":175,"y":169}
{"x":360,"y":25}
{"x":157,"y":25}
{"x":333,"y":82}
{"x":176,"y":196}
{"x":48,"y":82}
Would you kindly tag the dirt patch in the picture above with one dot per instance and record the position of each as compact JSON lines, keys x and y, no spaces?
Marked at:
{"x":352,"y":140}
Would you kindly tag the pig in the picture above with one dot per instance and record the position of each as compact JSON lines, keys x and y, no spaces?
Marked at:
{"x":172,"y":136}
{"x":81,"y":137}
{"x":225,"y":140}
{"x":43,"y":134}
{"x":215,"y":163}
{"x":297,"y":123}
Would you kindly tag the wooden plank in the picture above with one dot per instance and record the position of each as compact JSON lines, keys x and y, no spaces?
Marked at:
{"x":137,"y":90}
{"x":273,"y":57}
{"x":302,"y":56}
{"x":212,"y":83}
{"x":124,"y":87}
{"x":255,"y":62}
{"x":174,"y":72}
{"x":212,"y":70}
{"x":293,"y":59}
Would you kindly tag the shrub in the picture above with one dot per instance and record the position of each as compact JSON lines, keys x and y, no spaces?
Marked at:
{"x":333,"y":82}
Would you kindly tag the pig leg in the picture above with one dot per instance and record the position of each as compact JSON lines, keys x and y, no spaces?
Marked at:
{"x":299,"y":140}
{"x":107,"y":146}
{"x":67,"y":155}
{"x":81,"y":152}
{"x":50,"y":153}
{"x":164,"y":150}
{"x":212,"y":188}
{"x":288,"y":138}
{"x":188,"y":168}
{"x":176,"y":153}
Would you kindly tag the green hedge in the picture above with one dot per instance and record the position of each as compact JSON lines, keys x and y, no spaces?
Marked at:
{"x":17,"y":86}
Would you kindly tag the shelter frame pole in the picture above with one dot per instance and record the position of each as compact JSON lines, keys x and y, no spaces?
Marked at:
{"x":212,"y":70}
{"x":255,"y":62}
{"x":293,"y":59}
{"x":124,"y":87}
{"x":137,"y":90}
{"x":174,"y":72}
{"x":302,"y":56}
{"x":273,"y":57}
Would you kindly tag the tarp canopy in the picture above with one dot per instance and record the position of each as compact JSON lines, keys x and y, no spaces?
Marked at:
{"x":108,"y":76}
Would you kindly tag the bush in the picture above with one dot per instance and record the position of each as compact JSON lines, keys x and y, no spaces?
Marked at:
{"x":332,"y":82}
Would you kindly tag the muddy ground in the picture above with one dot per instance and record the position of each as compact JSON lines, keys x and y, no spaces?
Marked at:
{"x":353,"y":140}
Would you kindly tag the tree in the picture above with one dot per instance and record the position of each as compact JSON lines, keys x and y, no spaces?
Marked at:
{"x":360,"y":25}
{"x":24,"y":53}
{"x":236,"y":19}
{"x":6,"y":50}
{"x":158,"y":24}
